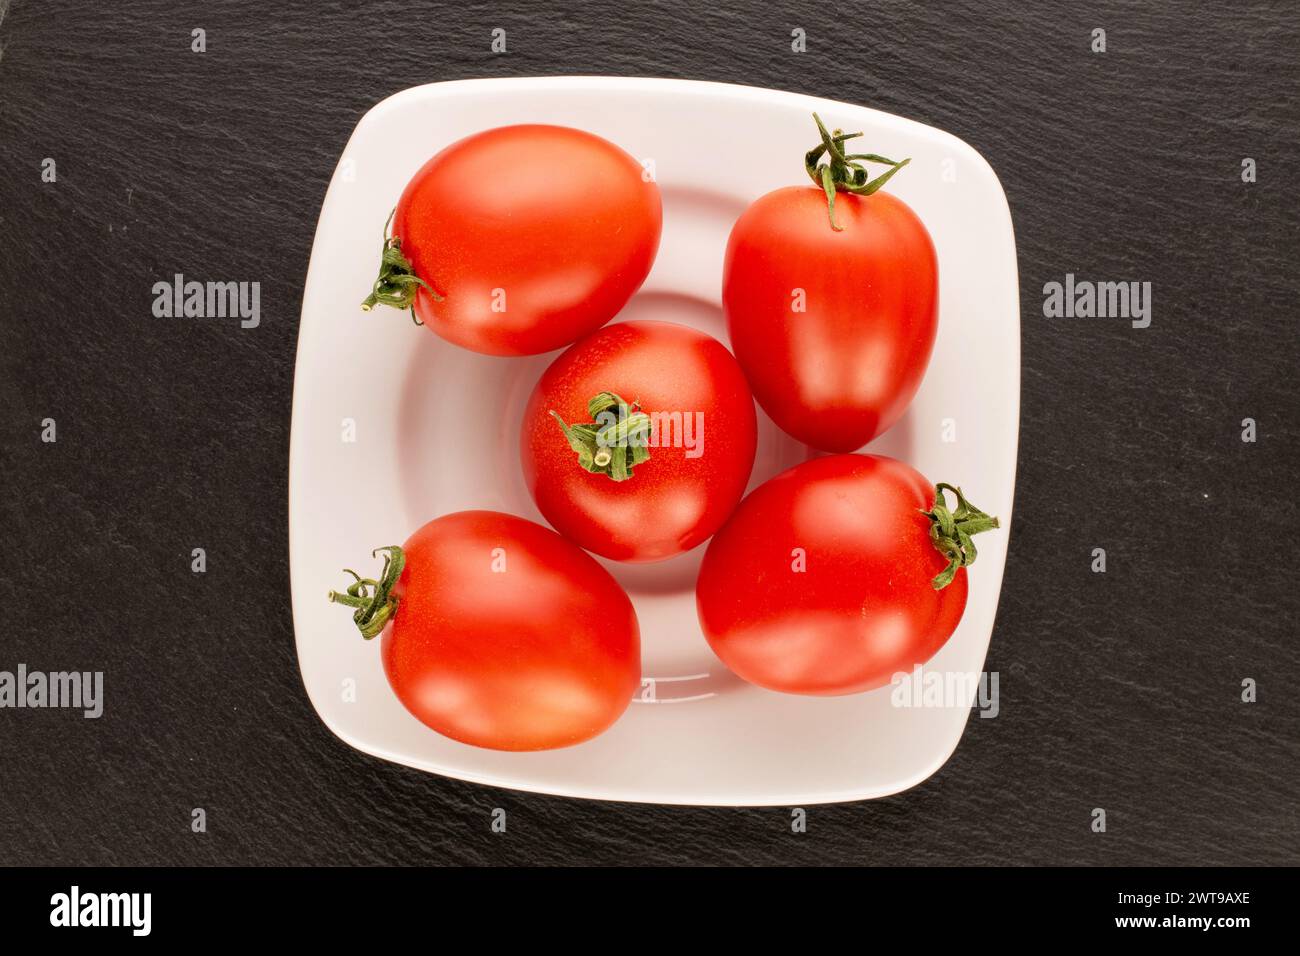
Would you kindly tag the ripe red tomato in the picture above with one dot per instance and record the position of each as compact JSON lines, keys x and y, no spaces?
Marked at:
{"x":824,"y":580}
{"x":521,"y":239}
{"x":833,"y":328}
{"x":681,"y":385}
{"x":502,"y":634}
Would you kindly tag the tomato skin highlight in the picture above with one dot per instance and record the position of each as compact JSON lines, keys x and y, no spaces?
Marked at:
{"x":542,"y":654}
{"x":677,"y":499}
{"x":561,"y":221}
{"x":862,"y":609}
{"x":838,"y":374}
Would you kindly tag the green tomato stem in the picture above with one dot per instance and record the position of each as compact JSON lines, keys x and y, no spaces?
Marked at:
{"x":397,"y":283}
{"x":951,"y":532}
{"x":614,"y":441}
{"x":373,"y":600}
{"x":844,"y":172}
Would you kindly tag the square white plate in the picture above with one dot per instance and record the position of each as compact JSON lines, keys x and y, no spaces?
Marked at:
{"x":697,"y":735}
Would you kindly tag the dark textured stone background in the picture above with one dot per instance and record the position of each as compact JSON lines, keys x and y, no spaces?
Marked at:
{"x":1118,"y":690}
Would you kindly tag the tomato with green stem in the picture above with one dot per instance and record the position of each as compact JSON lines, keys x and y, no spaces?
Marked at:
{"x":837,"y":574}
{"x":521,"y":239}
{"x":638,"y":441}
{"x":499,"y":633}
{"x":831,"y":296}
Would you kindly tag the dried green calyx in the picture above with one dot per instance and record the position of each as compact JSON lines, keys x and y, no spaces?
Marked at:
{"x":951,"y":532}
{"x":616,"y":439}
{"x":397,"y":283}
{"x":844,"y":172}
{"x":374,"y":601}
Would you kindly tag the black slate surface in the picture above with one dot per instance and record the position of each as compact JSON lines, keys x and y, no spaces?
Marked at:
{"x":1119,"y":690}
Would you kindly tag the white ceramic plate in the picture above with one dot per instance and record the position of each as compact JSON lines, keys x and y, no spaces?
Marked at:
{"x":696,"y":735}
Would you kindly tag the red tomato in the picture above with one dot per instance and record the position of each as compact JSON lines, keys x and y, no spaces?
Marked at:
{"x":521,"y":239}
{"x":833,"y":328}
{"x":693,"y":396}
{"x":502,"y":634}
{"x":823,"y":581}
